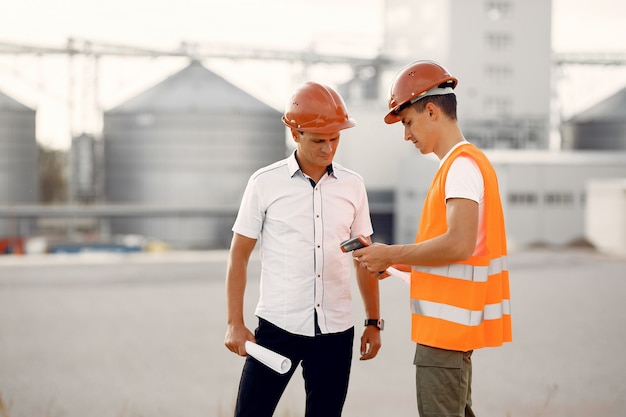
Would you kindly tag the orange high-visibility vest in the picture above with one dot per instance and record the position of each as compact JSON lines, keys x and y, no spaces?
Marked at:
{"x":464,"y":305}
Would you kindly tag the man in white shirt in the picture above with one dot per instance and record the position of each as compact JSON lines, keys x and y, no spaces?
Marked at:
{"x":301,"y":208}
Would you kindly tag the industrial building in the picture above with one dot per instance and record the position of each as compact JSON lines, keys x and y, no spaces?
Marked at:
{"x":605,"y":215}
{"x":19,"y":163}
{"x":171,"y":163}
{"x":503,"y":67}
{"x":602,"y":126}
{"x":544,"y":194}
{"x":193,"y":139}
{"x":504,"y":95}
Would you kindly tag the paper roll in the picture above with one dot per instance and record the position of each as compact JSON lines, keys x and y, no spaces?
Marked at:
{"x":269,"y":358}
{"x":404,"y":276}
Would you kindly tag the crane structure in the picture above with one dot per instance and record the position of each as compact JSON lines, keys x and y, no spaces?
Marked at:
{"x":198,"y":51}
{"x":84,"y":83}
{"x":82,"y":95}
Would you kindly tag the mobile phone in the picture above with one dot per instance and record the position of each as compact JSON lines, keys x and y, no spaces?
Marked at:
{"x":354,"y":243}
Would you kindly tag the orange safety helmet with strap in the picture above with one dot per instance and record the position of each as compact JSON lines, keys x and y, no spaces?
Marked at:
{"x":415,"y":81}
{"x":316,"y":108}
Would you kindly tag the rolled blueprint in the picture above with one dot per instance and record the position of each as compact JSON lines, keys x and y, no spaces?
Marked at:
{"x":404,"y":276}
{"x":269,"y":358}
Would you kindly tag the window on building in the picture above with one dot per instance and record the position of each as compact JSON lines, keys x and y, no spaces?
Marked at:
{"x":498,"y":73}
{"x":498,"y":9}
{"x":556,"y":198}
{"x":522,"y":199}
{"x":498,"y":41}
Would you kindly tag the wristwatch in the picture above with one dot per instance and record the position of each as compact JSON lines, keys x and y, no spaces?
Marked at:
{"x":380,"y":323}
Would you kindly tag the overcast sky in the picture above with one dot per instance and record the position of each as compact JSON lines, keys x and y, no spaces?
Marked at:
{"x":350,"y":25}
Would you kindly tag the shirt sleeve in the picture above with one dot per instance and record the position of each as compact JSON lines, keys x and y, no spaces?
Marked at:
{"x":250,"y":216}
{"x":464,"y":180}
{"x":362,"y":224}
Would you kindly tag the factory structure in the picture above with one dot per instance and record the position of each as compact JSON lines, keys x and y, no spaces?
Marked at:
{"x":504,"y":94}
{"x":544,"y":194}
{"x":504,"y":107}
{"x":192,"y":139}
{"x":602,"y":126}
{"x":172,"y":162}
{"x":19,"y":166}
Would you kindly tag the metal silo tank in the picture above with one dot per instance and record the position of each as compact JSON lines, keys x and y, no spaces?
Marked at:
{"x":601,"y":127}
{"x":193,"y":139}
{"x":19,"y":162}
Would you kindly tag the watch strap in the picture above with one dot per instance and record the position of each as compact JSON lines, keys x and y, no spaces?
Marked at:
{"x":379,"y":323}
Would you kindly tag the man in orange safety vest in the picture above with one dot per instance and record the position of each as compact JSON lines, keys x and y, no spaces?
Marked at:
{"x":459,"y":275}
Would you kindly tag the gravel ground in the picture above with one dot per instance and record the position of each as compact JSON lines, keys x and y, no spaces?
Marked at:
{"x":142,"y":335}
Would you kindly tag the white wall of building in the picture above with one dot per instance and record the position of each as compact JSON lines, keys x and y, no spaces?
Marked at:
{"x":605,"y":219}
{"x":500,"y":50}
{"x":543,"y":193}
{"x":461,"y":35}
{"x":372,"y":147}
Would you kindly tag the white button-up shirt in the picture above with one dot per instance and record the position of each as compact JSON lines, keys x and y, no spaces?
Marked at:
{"x":300,"y":227}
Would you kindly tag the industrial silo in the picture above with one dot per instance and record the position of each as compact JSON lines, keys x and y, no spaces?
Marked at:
{"x":602,"y":126}
{"x":19,"y":162}
{"x":194,"y":139}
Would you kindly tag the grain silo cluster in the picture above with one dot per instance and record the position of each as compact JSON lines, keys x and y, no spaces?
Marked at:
{"x":193,"y":139}
{"x":602,"y":126}
{"x":188,"y":143}
{"x":19,"y":181}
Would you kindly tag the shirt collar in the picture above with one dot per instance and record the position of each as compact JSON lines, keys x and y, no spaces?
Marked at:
{"x":292,"y":163}
{"x":294,"y":166}
{"x":456,"y":145}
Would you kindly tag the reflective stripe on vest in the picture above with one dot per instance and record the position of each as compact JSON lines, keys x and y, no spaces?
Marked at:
{"x":460,"y":315}
{"x":465,"y":271}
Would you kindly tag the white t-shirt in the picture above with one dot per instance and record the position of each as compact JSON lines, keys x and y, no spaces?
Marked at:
{"x":300,"y":227}
{"x":465,"y":180}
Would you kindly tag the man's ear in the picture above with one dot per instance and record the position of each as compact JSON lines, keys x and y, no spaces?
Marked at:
{"x":432,"y":110}
{"x":295,"y":135}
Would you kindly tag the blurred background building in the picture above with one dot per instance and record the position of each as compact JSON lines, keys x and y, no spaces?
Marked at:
{"x":19,"y":167}
{"x":170,"y":164}
{"x":603,"y":126}
{"x":193,"y":139}
{"x":503,"y":67}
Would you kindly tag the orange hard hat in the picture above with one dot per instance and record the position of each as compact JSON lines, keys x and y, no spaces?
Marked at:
{"x":316,"y":108}
{"x":415,"y":81}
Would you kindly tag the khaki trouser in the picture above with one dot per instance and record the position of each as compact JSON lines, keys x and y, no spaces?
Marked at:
{"x":443,"y":382}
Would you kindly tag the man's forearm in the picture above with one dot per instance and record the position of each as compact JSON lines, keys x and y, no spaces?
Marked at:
{"x":235,"y":290}
{"x":368,"y":287}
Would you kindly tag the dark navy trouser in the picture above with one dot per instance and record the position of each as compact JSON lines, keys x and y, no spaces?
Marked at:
{"x":325,"y":360}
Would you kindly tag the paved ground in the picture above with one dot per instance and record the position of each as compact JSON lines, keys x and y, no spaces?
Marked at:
{"x":142,"y":336}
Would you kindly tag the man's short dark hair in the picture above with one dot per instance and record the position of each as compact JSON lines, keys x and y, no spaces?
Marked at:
{"x":446,"y":102}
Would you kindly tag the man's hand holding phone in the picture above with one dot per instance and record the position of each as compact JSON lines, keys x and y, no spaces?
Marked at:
{"x":359,"y":242}
{"x":354,"y":243}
